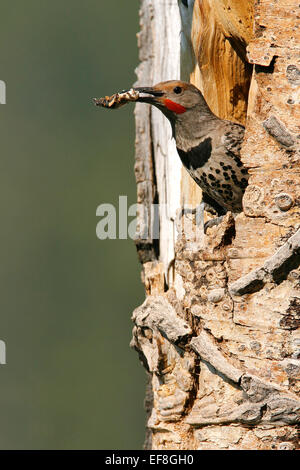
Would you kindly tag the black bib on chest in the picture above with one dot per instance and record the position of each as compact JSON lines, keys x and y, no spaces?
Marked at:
{"x":197,"y":156}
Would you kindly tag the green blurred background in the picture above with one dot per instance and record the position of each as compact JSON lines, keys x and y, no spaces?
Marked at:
{"x":71,"y":381}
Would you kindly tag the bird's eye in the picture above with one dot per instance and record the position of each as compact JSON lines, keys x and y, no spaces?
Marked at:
{"x":177,"y":90}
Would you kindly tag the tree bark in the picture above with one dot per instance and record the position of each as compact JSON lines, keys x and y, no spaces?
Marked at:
{"x":219,"y":330}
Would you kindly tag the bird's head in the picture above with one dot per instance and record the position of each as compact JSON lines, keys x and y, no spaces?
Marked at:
{"x":174,"y":98}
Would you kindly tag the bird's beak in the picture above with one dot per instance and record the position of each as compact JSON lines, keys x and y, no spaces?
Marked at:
{"x":149,"y":95}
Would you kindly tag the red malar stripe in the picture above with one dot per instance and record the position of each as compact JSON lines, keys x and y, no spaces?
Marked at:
{"x":177,"y":108}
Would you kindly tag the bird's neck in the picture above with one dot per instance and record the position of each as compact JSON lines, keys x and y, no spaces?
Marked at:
{"x":191,"y":128}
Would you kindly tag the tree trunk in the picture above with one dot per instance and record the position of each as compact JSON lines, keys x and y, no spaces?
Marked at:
{"x":219,"y":330}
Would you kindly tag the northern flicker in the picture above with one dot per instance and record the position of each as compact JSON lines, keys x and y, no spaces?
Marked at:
{"x":209,"y":147}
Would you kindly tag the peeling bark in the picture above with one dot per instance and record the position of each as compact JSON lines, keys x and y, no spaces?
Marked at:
{"x":219,"y":331}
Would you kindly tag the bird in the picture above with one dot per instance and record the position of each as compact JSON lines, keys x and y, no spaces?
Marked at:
{"x":209,"y":147}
